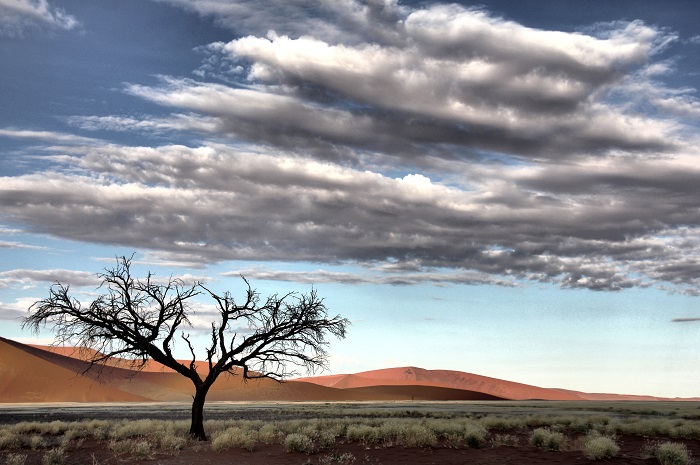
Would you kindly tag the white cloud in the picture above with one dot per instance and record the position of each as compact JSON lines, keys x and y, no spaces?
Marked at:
{"x":15,"y":311}
{"x":17,"y":16}
{"x":47,"y":136}
{"x":452,"y":80}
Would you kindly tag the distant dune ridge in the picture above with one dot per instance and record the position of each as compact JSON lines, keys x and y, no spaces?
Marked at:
{"x":60,"y":374}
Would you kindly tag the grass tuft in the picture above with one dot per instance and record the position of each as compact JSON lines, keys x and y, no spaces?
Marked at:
{"x":234,"y":437}
{"x":16,"y":459}
{"x":672,"y":453}
{"x":296,"y":442}
{"x":54,"y":457}
{"x":596,"y":447}
{"x":547,"y":439}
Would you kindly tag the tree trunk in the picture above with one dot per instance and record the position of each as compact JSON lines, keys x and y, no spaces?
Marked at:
{"x":197,"y":426}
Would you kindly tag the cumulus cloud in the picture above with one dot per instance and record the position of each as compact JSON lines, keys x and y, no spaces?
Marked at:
{"x":17,"y":16}
{"x":452,"y":83}
{"x":216,"y":203}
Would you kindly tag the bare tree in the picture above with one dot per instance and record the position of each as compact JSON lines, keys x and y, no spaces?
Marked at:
{"x":141,"y":320}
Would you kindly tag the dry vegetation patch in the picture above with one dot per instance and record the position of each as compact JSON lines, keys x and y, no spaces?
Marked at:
{"x":344,"y":436}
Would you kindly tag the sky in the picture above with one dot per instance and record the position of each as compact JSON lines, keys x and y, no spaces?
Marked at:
{"x":504,"y":188}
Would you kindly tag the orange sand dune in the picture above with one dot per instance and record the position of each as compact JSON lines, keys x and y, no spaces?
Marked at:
{"x":26,"y":377}
{"x":83,"y":353}
{"x":61,"y":374}
{"x":417,"y":392}
{"x":443,"y":378}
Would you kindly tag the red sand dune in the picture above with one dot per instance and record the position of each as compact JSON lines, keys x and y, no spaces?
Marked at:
{"x":443,"y":378}
{"x":61,"y":374}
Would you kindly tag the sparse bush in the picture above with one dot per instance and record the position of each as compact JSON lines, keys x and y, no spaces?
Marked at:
{"x":672,"y":453}
{"x":36,"y":442}
{"x":121,"y":447}
{"x":172,"y":442}
{"x":54,"y":457}
{"x":141,"y":449}
{"x":500,"y":423}
{"x":596,"y":447}
{"x":56,"y":427}
{"x":16,"y":459}
{"x":268,"y":433}
{"x":9,"y":439}
{"x":296,"y":442}
{"x":134,"y":428}
{"x":548,"y":439}
{"x":364,"y":434}
{"x":327,"y":438}
{"x":504,"y":440}
{"x":475,"y":435}
{"x":234,"y":437}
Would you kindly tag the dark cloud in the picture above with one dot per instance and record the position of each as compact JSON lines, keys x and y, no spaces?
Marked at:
{"x":14,"y":278}
{"x":216,"y":203}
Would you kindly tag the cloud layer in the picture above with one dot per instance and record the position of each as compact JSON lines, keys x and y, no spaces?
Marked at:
{"x":448,"y":146}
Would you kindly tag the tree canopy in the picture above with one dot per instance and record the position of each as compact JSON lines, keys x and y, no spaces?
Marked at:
{"x":142,"y":319}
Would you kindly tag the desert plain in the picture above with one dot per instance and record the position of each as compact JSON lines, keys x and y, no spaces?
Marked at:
{"x":55,"y":409}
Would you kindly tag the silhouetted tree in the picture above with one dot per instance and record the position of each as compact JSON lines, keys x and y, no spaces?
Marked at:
{"x":141,"y":319}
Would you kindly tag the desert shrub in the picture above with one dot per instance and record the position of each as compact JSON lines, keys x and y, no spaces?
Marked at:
{"x":672,"y":453}
{"x":141,"y":449}
{"x":688,"y":430}
{"x":475,"y":435}
{"x":327,"y":438}
{"x":296,"y":442}
{"x":54,"y":457}
{"x":501,"y":423}
{"x":55,"y":428}
{"x":135,"y":428}
{"x":16,"y":459}
{"x":25,"y":427}
{"x":504,"y":440}
{"x":36,"y":442}
{"x":122,"y":446}
{"x":548,"y":439}
{"x":98,"y":429}
{"x":445,"y":428}
{"x":365,"y":434}
{"x":335,"y":428}
{"x":9,"y":439}
{"x":412,"y":435}
{"x":171,"y":442}
{"x":268,"y":433}
{"x":596,"y":447}
{"x":234,"y":437}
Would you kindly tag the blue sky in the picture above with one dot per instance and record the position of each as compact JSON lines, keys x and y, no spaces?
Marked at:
{"x":505,"y":188}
